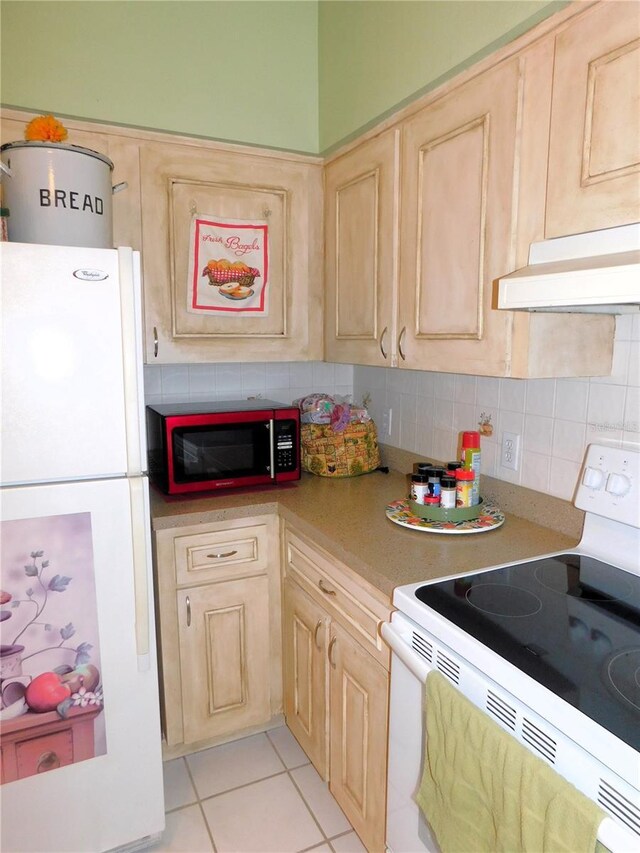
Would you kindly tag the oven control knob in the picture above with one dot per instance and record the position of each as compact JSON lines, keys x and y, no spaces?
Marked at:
{"x":593,"y":478}
{"x":618,"y":484}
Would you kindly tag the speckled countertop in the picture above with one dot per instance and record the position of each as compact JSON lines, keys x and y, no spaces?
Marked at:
{"x":347,"y":518}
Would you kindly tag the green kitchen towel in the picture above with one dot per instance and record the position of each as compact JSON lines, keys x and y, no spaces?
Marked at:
{"x":483,"y":792}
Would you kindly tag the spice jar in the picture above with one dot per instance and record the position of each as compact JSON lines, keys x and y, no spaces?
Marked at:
{"x":464,"y":487}
{"x":419,"y":487}
{"x":448,"y":492}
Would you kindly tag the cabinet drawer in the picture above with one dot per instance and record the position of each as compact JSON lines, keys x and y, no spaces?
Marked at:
{"x":48,"y":752}
{"x":220,"y":555}
{"x":330,"y":585}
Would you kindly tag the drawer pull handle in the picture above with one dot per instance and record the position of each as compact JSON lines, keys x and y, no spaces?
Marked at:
{"x":330,"y":649}
{"x":188,"y":612}
{"x":315,"y":633}
{"x":326,"y":589}
{"x":47,"y":761}
{"x":221,"y":556}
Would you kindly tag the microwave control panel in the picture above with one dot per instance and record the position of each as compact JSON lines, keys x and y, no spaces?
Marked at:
{"x":286,"y":445}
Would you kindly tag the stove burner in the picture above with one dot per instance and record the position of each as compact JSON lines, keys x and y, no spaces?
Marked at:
{"x":501,"y":600}
{"x":623,"y":670}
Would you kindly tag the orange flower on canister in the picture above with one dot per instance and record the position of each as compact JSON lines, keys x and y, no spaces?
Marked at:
{"x":45,"y":129}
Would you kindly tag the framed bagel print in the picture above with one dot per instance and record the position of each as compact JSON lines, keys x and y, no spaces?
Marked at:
{"x":228,"y":266}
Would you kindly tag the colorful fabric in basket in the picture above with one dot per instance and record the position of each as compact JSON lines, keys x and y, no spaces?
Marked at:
{"x":349,"y":453}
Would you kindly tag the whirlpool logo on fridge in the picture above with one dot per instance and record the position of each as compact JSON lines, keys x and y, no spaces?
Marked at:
{"x":91,"y":275}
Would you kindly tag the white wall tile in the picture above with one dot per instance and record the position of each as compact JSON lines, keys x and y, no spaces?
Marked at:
{"x":175,"y":380}
{"x":605,"y":412}
{"x":443,"y":414}
{"x":535,"y":471}
{"x":406,"y":381}
{"x":152,"y":380}
{"x":425,"y":383}
{"x":569,"y":439}
{"x":572,"y":398}
{"x":464,"y":417}
{"x":277,"y":374}
{"x":444,"y":386}
{"x":540,"y":398}
{"x":563,"y":478}
{"x":228,"y":378}
{"x":512,"y":395}
{"x":301,"y":374}
{"x":538,"y":434}
{"x":465,"y":389}
{"x":202,"y":379}
{"x":488,"y":393}
{"x":634,"y":364}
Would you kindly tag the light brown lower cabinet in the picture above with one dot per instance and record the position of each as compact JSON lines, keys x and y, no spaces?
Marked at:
{"x":224,"y":659}
{"x":336,"y":682}
{"x":218,"y":592}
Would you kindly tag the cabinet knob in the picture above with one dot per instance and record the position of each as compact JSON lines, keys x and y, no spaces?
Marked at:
{"x":382,"y":350}
{"x":334,"y":640}
{"x":221,"y":556}
{"x":326,"y":589}
{"x":47,"y":761}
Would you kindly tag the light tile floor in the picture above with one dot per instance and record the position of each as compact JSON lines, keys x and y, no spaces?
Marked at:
{"x":255,"y":795}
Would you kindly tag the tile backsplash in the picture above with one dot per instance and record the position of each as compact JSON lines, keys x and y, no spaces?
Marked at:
{"x":281,"y":381}
{"x":555,"y":418}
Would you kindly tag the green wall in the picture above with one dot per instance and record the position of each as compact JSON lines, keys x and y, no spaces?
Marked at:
{"x":301,"y":75}
{"x":376,"y":55}
{"x":239,"y":71}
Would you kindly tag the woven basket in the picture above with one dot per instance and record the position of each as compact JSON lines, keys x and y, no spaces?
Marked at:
{"x":340,"y":454}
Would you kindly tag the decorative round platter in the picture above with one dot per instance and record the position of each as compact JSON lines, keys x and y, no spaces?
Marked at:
{"x":400,"y":513}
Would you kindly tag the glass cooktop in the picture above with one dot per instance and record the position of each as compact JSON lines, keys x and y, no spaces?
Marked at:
{"x":570,"y":622}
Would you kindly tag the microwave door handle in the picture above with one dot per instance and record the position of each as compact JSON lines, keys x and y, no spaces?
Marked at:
{"x":272,"y":450}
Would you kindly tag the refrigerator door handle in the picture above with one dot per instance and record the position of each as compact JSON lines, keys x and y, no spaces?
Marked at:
{"x":132,"y":357}
{"x":141,"y":554}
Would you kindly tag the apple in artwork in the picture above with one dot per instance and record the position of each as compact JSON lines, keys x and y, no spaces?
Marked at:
{"x":46,"y":692}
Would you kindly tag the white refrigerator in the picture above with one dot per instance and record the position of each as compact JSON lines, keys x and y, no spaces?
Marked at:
{"x":79,"y":712}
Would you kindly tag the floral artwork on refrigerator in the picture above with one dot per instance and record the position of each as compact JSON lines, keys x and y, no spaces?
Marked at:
{"x":51,"y":700}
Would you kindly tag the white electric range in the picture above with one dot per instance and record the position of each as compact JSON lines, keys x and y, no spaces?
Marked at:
{"x":549,"y":648}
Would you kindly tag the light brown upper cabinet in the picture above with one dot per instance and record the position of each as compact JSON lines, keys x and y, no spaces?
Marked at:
{"x":457,"y":163}
{"x":594,"y":152}
{"x":178,"y":180}
{"x":416,"y":235}
{"x":361,"y":195}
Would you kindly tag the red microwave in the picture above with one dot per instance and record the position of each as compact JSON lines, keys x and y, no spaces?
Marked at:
{"x":195,"y":447}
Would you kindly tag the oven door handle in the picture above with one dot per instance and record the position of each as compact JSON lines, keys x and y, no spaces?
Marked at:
{"x":399,"y":646}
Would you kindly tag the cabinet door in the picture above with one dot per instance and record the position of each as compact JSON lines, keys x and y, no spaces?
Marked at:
{"x":361,"y":197}
{"x":230,"y":185}
{"x":457,"y":164}
{"x":358,"y":724}
{"x":594,"y":152}
{"x":305,"y":686}
{"x":224,"y":656}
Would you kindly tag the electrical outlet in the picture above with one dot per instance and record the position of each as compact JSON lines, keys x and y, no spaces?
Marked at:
{"x":387,"y":417}
{"x":510,"y":455}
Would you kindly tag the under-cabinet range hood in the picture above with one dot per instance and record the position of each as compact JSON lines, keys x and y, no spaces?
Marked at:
{"x":598,"y":271}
